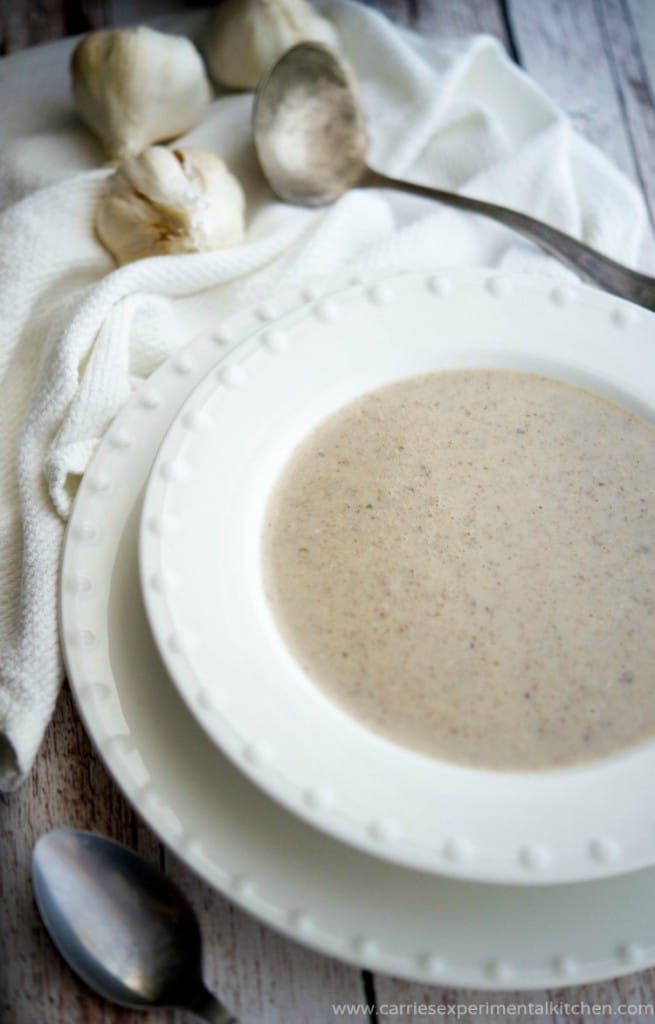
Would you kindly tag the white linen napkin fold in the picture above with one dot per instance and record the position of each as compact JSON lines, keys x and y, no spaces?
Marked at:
{"x":77,"y":335}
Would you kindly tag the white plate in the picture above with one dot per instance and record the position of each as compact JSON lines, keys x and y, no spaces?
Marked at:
{"x":201,"y":576}
{"x":317,"y":891}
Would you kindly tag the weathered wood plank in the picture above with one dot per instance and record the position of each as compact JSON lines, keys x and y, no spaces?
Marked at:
{"x":85,"y":15}
{"x":68,"y":787}
{"x":642,"y":15}
{"x":565,"y":44}
{"x":457,"y":18}
{"x":259,"y":974}
{"x":586,"y":57}
{"x":125,"y":12}
{"x":26,"y":24}
{"x":561,"y":44}
{"x":634,"y":86}
{"x":612,"y":1000}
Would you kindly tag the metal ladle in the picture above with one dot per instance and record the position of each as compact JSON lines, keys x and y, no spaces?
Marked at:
{"x":121,"y":924}
{"x":311,"y":140}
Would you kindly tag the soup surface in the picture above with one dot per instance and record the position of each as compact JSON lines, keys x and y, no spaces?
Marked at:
{"x":465,"y":562}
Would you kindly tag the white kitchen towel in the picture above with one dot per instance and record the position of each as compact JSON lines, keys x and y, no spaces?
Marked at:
{"x":77,"y":335}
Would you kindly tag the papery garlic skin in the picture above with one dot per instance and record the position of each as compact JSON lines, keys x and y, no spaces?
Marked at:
{"x":136,"y":86}
{"x":246,"y":37}
{"x":170,"y":201}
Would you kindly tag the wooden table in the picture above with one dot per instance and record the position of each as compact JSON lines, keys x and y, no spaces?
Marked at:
{"x":596,"y":58}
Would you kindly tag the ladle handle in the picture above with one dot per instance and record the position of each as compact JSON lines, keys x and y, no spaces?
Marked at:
{"x":594,"y":266}
{"x":211,"y":1010}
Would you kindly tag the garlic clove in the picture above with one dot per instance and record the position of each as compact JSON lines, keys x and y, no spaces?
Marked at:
{"x":137,"y":86}
{"x":170,"y":201}
{"x":246,"y":37}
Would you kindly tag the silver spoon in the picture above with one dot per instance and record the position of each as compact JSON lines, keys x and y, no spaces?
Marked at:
{"x":121,"y":924}
{"x":310,"y":137}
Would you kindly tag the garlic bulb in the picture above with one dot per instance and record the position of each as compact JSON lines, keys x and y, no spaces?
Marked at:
{"x":170,"y":201}
{"x":137,"y":86}
{"x":246,"y":37}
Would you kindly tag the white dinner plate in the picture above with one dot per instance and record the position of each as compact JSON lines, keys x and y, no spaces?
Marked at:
{"x":201,"y":573}
{"x":322,"y":893}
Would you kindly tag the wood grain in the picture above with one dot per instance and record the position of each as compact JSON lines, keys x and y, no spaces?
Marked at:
{"x":634,"y":87}
{"x":642,"y":15}
{"x":453,"y":18}
{"x":561,"y":44}
{"x":587,"y":56}
{"x":260,"y":975}
{"x":68,"y":786}
{"x":611,"y":997}
{"x":596,"y":58}
{"x":27,"y":24}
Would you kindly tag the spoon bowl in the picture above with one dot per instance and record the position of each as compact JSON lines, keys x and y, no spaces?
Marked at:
{"x":121,"y":924}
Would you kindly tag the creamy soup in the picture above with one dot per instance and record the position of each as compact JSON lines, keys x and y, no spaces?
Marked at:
{"x":465,"y":562}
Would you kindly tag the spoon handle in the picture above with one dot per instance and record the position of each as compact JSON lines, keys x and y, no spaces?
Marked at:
{"x":589,"y":263}
{"x":209,"y":1009}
